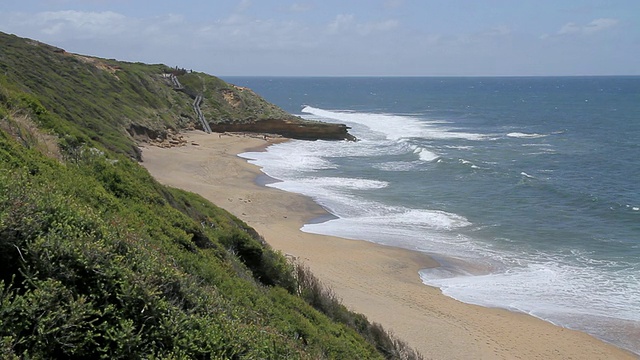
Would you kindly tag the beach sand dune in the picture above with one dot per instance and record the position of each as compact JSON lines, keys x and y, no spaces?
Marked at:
{"x":379,"y":281}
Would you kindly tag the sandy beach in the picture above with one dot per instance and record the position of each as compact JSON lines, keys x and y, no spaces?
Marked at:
{"x":378,"y":281}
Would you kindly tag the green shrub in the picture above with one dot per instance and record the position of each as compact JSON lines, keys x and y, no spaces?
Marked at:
{"x":88,"y":279}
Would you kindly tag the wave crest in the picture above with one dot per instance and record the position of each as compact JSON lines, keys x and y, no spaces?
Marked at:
{"x":394,"y":127}
{"x":520,"y":135}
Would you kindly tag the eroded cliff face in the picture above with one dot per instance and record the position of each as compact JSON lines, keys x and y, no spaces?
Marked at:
{"x":230,"y":108}
{"x":294,"y":129}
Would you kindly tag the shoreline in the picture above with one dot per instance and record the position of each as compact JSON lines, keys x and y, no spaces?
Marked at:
{"x":369,"y":278}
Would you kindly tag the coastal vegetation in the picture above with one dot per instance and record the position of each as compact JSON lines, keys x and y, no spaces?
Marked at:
{"x":99,"y":260}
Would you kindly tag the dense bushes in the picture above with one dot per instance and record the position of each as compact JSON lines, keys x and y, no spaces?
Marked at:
{"x":80,"y":283}
{"x":89,"y":271}
{"x":83,"y":288}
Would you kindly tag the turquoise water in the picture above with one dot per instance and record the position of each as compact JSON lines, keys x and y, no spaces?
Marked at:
{"x":527,"y":190}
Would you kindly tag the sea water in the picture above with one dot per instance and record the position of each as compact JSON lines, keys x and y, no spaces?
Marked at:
{"x":526,"y":190}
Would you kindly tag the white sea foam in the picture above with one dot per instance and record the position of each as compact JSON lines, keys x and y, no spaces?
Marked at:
{"x":525,"y":135}
{"x":551,"y":289}
{"x":294,"y":161}
{"x":424,"y":154}
{"x":394,"y":127}
{"x":458,"y":147}
{"x":343,"y":183}
{"x":466,"y":162}
{"x":357,"y":217}
{"x":361,"y":215}
{"x":537,"y":145}
{"x":416,"y":229}
{"x":555,"y":290}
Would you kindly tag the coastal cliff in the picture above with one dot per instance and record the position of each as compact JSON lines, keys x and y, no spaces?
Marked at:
{"x":99,"y":260}
{"x":120,"y":104}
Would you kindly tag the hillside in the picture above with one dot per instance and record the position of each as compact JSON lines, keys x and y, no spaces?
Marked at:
{"x":115,"y":103}
{"x":98,"y":260}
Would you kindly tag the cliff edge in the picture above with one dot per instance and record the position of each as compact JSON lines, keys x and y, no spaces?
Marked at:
{"x":118,"y":104}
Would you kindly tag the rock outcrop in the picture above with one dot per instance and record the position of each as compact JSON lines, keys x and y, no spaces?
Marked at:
{"x":294,"y":129}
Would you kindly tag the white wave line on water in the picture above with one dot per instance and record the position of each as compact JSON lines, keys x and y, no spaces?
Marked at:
{"x":424,"y":154}
{"x":394,"y":127}
{"x":347,"y":183}
{"x":525,"y":135}
{"x":552,"y":289}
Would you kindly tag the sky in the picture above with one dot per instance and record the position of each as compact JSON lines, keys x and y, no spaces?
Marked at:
{"x":344,"y":37}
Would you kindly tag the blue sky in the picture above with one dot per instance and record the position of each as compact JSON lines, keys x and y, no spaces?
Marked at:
{"x":347,"y":37}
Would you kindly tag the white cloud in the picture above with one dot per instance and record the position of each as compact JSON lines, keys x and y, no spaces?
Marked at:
{"x":84,"y":24}
{"x":243,"y":33}
{"x":594,"y":26}
{"x":107,"y":34}
{"x":600,"y":24}
{"x":569,"y":28}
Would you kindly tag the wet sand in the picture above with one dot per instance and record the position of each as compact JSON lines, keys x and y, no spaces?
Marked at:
{"x":379,"y":281}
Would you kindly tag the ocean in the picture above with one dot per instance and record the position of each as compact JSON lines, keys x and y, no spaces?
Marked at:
{"x":526,"y":190}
